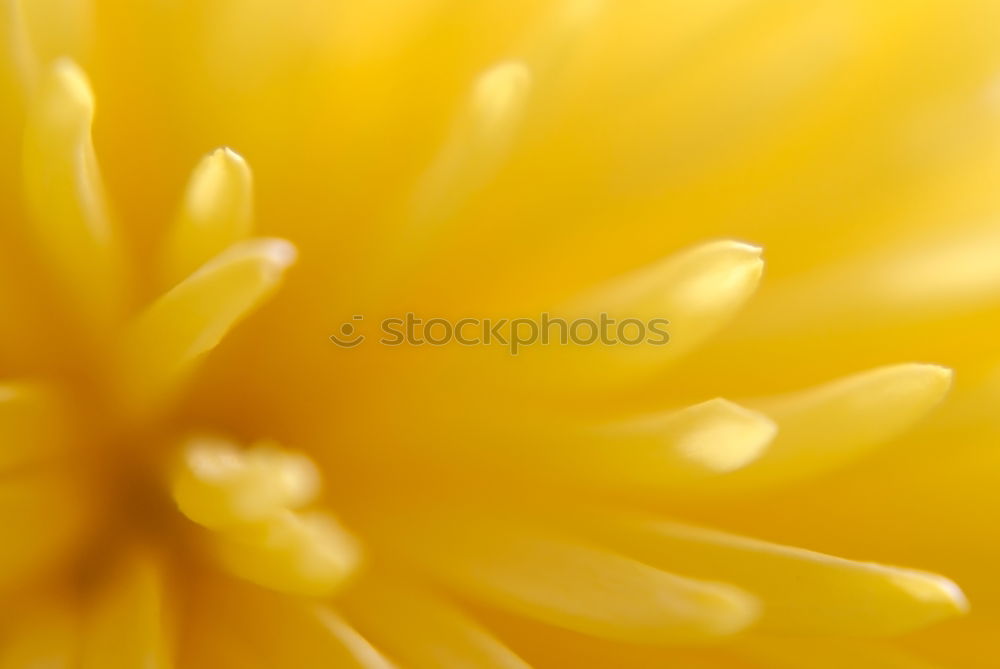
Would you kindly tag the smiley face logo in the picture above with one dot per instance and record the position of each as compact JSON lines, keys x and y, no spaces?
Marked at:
{"x":348,"y":337}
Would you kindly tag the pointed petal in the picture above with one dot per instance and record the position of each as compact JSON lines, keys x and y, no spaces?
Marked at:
{"x":829,"y":426}
{"x":168,"y":339}
{"x":672,"y":307}
{"x":65,"y":196}
{"x":712,"y":437}
{"x":698,"y":290}
{"x":477,"y":146}
{"x":363,"y":653}
{"x":924,"y":276}
{"x":801,"y":591}
{"x":647,"y":454}
{"x":542,"y":575}
{"x":217,"y":212}
{"x":479,"y":142}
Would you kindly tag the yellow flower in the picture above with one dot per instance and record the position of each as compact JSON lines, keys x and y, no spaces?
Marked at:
{"x":194,"y":475}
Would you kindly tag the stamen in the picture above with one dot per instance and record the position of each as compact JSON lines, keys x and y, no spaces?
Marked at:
{"x":218,"y":485}
{"x":298,"y":553}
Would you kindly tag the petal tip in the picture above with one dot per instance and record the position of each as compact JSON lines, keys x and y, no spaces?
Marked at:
{"x":942,"y":598}
{"x":938,"y":375}
{"x":728,"y":610}
{"x":276,"y":254}
{"x":229,"y":160}
{"x":732,"y":437}
{"x":73,"y":86}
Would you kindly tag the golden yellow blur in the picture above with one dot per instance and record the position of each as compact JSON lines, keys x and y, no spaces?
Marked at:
{"x":196,"y":195}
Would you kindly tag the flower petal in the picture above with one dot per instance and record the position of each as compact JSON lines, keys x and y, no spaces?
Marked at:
{"x":65,"y":196}
{"x":826,"y":427}
{"x":422,"y":630}
{"x":130,"y":624}
{"x":711,"y":437}
{"x":545,"y":576}
{"x":278,"y":631}
{"x":479,"y":142}
{"x":680,"y":302}
{"x":43,"y":518}
{"x":801,"y":591}
{"x":651,"y":454}
{"x":22,"y":51}
{"x":47,"y":636}
{"x":217,"y":212}
{"x":164,"y":342}
{"x":31,"y":425}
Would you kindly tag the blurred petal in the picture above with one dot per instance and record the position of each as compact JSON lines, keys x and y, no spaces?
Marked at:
{"x":32,"y":425}
{"x":827,"y":427}
{"x":43,"y":518}
{"x":217,"y":484}
{"x":167,"y":340}
{"x":791,"y":653}
{"x":131,"y":622}
{"x":280,"y":631}
{"x":801,"y":591}
{"x":676,"y":305}
{"x":544,"y":576}
{"x":422,"y":630}
{"x":45,"y":637}
{"x":65,"y":196}
{"x":297,"y":553}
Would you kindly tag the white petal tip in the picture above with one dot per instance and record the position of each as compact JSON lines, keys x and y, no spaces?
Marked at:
{"x":73,"y":86}
{"x":503,"y":80}
{"x":227,"y":160}
{"x":720,"y":274}
{"x":225,"y":153}
{"x":743,"y":247}
{"x":500,"y":90}
{"x":733,"y":612}
{"x":924,"y":385}
{"x":282,"y":254}
{"x":944,"y":597}
{"x":729,"y":248}
{"x":935,"y":376}
{"x":730,"y":437}
{"x":277,"y":254}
